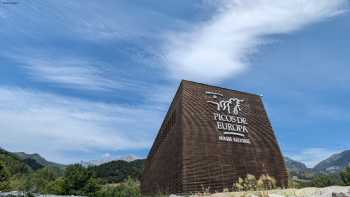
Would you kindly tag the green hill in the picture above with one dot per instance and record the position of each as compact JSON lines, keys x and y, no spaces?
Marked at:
{"x":294,"y":166}
{"x":22,"y":163}
{"x":36,"y":158}
{"x":298,"y":169}
{"x":14,"y":164}
{"x":334,"y":163}
{"x":118,"y":171}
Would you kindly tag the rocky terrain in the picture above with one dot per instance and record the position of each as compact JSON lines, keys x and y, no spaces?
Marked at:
{"x":333,"y":191}
{"x":22,"y":194}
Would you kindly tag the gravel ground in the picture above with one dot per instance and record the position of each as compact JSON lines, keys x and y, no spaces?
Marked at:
{"x":21,"y":194}
{"x":333,"y":191}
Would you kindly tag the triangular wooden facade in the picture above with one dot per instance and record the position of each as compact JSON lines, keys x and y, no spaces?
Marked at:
{"x":193,"y":152}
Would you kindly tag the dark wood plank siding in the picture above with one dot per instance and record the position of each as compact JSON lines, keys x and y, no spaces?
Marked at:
{"x":163,"y":166}
{"x":191,"y":157}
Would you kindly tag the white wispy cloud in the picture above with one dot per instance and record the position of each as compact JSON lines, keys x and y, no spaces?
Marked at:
{"x":94,"y":21}
{"x":220,"y":48}
{"x":312,"y":156}
{"x":74,"y":73}
{"x":49,"y":124}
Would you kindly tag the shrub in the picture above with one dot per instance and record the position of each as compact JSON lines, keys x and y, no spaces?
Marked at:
{"x":238,"y":186}
{"x":250,"y":182}
{"x":294,"y":184}
{"x":266,"y":182}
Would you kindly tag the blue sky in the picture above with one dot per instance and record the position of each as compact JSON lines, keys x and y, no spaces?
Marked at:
{"x":85,"y":81}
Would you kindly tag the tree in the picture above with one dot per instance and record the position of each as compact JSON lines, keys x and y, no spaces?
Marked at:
{"x":55,"y":187}
{"x":4,"y":177}
{"x":13,"y":164}
{"x":75,"y":179}
{"x":38,"y":180}
{"x":345,"y":175}
{"x":17,"y":183}
{"x":128,"y":188}
{"x":324,"y":181}
{"x":92,"y":187}
{"x":80,"y":181}
{"x":118,"y":171}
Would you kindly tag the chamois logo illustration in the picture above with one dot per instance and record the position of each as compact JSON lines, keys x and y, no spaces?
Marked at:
{"x":232,"y":105}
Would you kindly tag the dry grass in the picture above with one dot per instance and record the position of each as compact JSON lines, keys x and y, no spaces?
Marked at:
{"x":305,"y":192}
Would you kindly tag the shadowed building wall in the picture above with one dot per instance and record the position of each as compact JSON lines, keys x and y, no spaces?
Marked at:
{"x":209,"y":138}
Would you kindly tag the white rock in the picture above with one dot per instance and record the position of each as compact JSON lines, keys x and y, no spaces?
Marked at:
{"x":276,"y":195}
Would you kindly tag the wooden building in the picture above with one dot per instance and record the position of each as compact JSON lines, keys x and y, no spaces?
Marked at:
{"x":209,"y":138}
